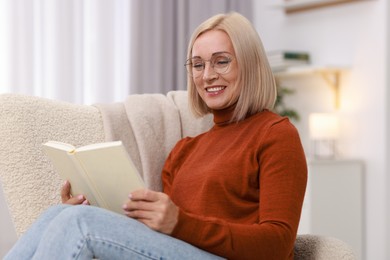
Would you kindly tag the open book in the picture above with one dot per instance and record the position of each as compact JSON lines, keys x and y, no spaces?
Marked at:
{"x":103,"y":172}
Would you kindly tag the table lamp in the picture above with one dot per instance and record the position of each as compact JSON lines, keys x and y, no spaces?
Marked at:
{"x":324,"y":130}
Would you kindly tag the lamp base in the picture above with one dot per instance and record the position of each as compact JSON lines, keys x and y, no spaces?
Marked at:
{"x":324,"y":149}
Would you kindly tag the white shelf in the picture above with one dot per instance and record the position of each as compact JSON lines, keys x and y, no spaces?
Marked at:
{"x":309,"y":69}
{"x":331,"y":74}
{"x":301,"y":5}
{"x":304,"y":3}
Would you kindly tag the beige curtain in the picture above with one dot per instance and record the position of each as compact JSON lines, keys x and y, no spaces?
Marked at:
{"x":69,"y":50}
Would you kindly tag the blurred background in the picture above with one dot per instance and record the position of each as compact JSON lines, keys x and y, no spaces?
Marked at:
{"x":100,"y":51}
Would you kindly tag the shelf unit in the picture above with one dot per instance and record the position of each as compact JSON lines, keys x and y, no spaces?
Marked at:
{"x":293,"y":6}
{"x":331,"y":74}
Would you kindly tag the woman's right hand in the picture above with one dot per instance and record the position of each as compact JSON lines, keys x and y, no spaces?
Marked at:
{"x":67,"y":198}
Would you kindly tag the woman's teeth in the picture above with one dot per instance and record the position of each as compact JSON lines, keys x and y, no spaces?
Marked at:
{"x":214,"y":89}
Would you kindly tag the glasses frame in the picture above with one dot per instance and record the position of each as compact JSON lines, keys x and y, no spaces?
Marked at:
{"x":189,"y":63}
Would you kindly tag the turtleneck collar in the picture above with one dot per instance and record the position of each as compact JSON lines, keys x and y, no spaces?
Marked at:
{"x":223,"y":116}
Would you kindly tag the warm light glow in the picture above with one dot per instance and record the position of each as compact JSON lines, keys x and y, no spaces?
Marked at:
{"x":323,"y":126}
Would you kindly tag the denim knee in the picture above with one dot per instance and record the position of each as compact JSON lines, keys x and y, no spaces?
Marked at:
{"x":81,"y":213}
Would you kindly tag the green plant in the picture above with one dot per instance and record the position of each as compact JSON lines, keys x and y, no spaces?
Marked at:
{"x":280,"y":106}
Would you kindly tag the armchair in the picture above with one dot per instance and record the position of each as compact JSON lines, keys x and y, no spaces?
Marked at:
{"x":30,"y":183}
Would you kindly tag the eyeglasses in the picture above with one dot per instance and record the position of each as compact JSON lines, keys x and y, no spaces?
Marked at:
{"x":219,"y":62}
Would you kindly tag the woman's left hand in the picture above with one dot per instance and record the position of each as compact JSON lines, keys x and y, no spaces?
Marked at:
{"x":154,"y":209}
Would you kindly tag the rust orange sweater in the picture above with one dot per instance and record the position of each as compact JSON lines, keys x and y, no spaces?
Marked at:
{"x":239,"y":187}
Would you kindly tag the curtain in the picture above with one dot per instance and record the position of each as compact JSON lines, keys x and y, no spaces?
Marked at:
{"x":88,"y":51}
{"x":71,"y":50}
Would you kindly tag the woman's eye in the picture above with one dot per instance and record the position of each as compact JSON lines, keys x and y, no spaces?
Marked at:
{"x":222,"y":62}
{"x":197,"y":66}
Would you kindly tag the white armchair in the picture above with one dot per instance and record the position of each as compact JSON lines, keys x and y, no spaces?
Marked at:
{"x":30,"y":183}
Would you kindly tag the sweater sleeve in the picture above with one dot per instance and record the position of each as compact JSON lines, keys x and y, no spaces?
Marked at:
{"x":282,"y":184}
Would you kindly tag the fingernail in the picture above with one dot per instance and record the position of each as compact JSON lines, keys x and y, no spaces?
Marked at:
{"x":80,"y":197}
{"x":130,"y":196}
{"x":124,"y":206}
{"x":85,"y":202}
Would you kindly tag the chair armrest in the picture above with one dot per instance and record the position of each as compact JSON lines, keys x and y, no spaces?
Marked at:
{"x":30,"y":183}
{"x":309,"y":247}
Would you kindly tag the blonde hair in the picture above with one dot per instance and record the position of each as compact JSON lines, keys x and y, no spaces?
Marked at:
{"x":258,"y":91}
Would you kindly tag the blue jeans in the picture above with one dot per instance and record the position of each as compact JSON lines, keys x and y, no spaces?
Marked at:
{"x":86,"y":232}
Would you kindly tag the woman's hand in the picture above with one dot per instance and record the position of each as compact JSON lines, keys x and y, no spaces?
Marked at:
{"x":154,"y":209}
{"x":69,"y":199}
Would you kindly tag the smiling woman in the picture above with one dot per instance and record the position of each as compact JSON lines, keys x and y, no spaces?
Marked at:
{"x":245,"y":69}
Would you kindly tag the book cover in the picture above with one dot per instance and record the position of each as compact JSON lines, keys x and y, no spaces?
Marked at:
{"x":103,"y":172}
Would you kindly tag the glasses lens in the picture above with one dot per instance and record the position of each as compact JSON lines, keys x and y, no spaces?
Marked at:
{"x":195,"y":67}
{"x":219,"y":63}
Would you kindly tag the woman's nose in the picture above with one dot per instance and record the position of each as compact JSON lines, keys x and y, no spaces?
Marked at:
{"x":209,"y":72}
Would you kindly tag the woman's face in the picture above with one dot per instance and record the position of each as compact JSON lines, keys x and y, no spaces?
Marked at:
{"x":218,"y":90}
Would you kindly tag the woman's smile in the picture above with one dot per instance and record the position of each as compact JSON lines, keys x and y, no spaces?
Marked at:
{"x":215,"y":90}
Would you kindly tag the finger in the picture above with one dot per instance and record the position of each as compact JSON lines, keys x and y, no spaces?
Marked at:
{"x":65,"y":192}
{"x":140,"y":214}
{"x":144,"y":194}
{"x":139,"y":205}
{"x":76,"y":200}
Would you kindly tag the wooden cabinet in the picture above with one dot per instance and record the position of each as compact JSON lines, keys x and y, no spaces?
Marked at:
{"x":334,"y":202}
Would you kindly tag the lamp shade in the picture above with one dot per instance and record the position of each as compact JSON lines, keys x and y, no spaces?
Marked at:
{"x":323,"y":126}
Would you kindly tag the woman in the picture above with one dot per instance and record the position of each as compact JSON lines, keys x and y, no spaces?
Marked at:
{"x":234,"y":192}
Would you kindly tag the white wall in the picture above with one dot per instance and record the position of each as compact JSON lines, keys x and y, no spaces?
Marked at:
{"x":388,"y":127}
{"x":353,"y":34}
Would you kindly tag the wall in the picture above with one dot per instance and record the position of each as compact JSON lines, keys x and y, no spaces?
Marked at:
{"x":355,"y":35}
{"x":388,"y":127}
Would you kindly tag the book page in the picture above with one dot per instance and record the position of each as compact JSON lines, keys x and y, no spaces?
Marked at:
{"x":113,"y":173}
{"x":60,"y":145}
{"x":98,"y":146}
{"x":68,"y":169}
